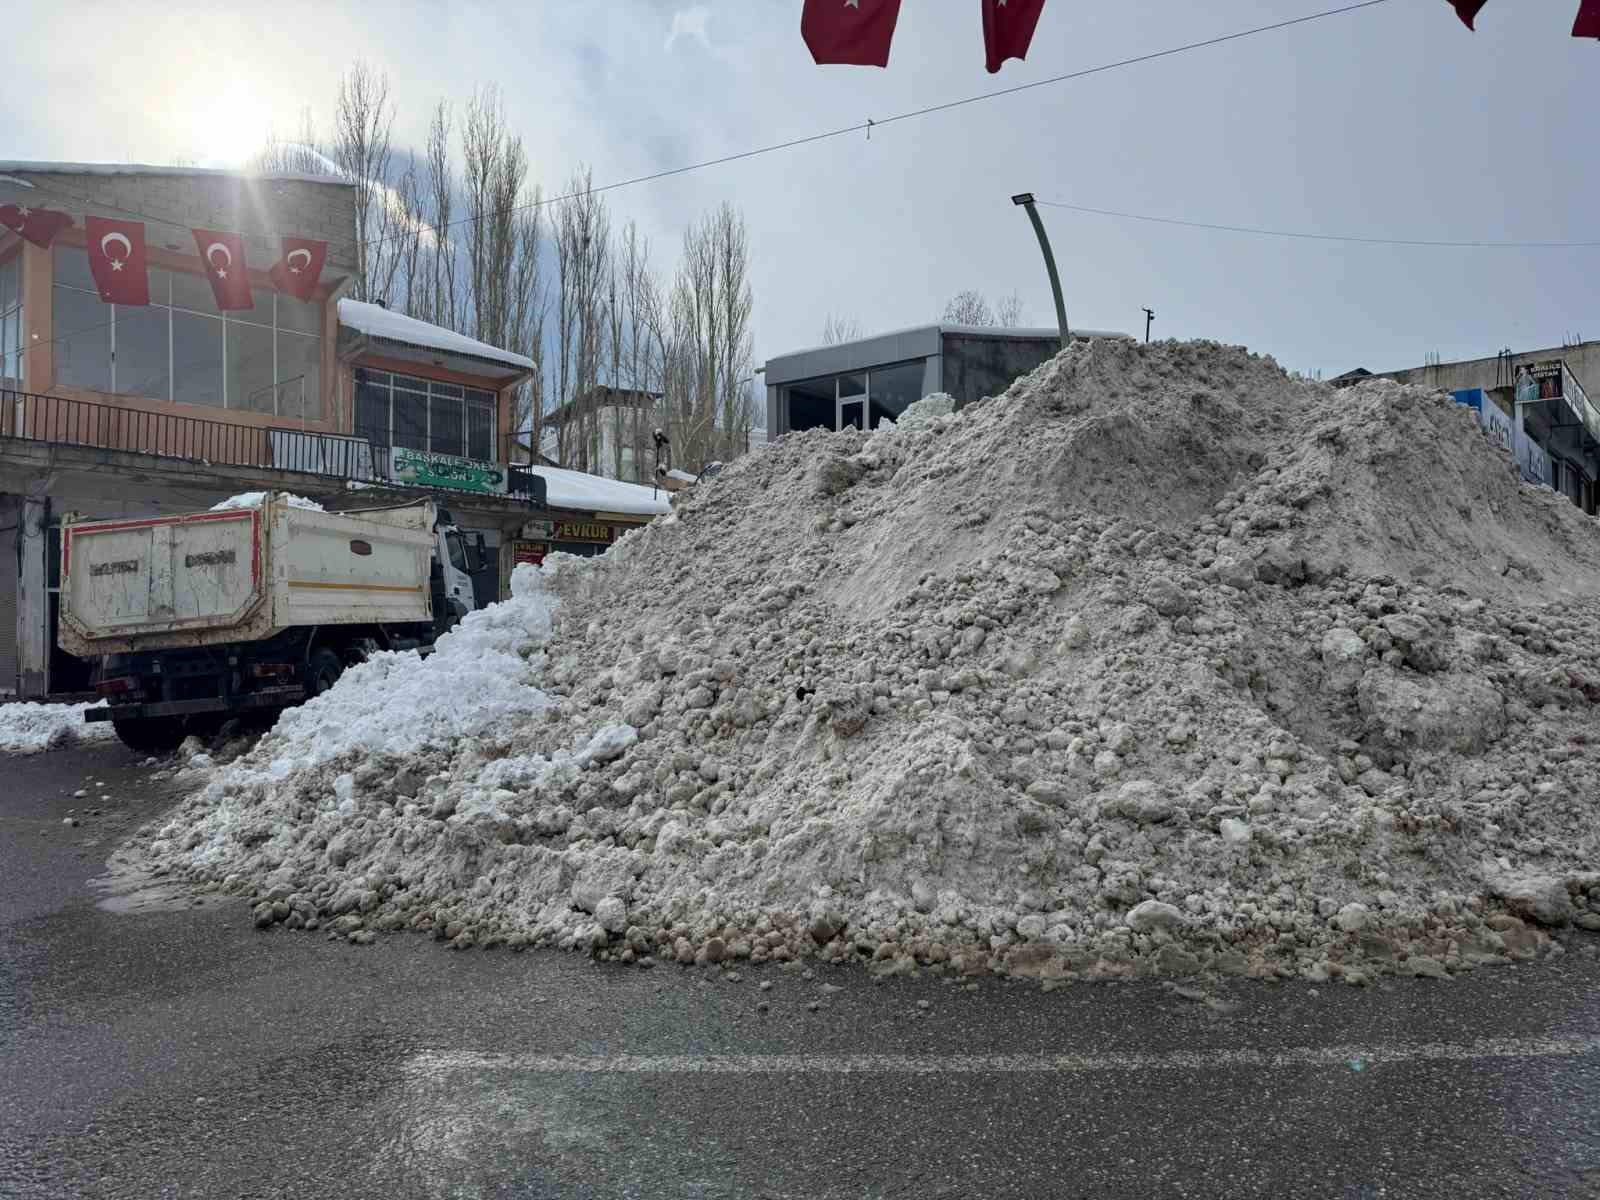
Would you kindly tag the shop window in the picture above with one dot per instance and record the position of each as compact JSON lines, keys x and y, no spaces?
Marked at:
{"x":894,"y":389}
{"x":424,"y":414}
{"x":180,"y":347}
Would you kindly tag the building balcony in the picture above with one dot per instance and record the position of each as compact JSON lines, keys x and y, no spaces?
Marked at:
{"x":238,"y":448}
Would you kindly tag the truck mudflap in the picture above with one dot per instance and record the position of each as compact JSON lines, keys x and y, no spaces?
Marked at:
{"x":278,"y":697}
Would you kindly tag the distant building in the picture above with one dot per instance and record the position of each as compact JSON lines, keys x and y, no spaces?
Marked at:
{"x":870,"y":379}
{"x":1552,"y":426}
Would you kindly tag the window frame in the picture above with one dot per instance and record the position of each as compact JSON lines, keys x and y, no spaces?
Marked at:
{"x":163,"y":300}
{"x":433,"y":392}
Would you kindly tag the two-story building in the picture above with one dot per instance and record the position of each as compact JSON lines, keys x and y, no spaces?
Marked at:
{"x":112,"y":410}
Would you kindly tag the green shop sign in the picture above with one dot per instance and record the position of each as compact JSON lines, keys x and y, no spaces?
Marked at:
{"x":422,"y":469}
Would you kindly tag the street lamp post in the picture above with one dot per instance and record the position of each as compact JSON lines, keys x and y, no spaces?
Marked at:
{"x":1025,"y":200}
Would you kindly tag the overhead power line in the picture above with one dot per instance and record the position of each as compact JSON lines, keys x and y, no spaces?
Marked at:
{"x":1319,"y":237}
{"x":809,"y":139}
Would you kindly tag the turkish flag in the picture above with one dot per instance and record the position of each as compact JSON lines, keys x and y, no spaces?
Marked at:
{"x":1588,"y":22}
{"x":223,"y":254}
{"x":38,"y":225}
{"x":117,"y":260}
{"x":300,"y":268}
{"x":1467,"y":10}
{"x":1008,"y":28}
{"x":853,"y":32}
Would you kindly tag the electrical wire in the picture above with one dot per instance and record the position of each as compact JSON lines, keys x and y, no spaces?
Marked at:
{"x":773,"y":148}
{"x":1317,"y":237}
{"x":794,"y":143}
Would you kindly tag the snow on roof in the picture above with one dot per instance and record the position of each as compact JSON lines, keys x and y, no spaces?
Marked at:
{"x":592,"y":493}
{"x":376,"y":321}
{"x":80,"y":168}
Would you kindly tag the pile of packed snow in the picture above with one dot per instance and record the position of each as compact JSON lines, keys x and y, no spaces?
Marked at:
{"x":26,"y":728}
{"x":257,"y":499}
{"x":1162,"y":661}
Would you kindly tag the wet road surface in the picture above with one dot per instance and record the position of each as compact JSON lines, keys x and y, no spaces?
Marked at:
{"x":171,"y":1050}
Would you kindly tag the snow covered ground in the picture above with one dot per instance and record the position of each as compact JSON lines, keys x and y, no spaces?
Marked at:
{"x":257,"y":499}
{"x":27,"y":728}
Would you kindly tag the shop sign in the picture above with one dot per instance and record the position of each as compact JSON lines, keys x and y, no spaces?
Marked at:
{"x":531,"y":553}
{"x":583,"y":531}
{"x":421,"y":469}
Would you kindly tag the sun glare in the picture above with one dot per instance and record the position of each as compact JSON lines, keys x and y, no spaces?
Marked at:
{"x":227,"y":131}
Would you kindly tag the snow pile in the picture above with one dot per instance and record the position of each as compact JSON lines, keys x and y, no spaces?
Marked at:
{"x":920,"y":414}
{"x":257,"y":499}
{"x":1162,"y":661}
{"x":26,"y":728}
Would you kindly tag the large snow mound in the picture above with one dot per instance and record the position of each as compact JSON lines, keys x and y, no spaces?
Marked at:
{"x":1162,"y":661}
{"x":27,"y":728}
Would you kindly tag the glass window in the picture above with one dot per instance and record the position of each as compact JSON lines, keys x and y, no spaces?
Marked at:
{"x":458,"y":552}
{"x":193,"y":293}
{"x":298,"y":316}
{"x":894,"y":389}
{"x":299,"y":376}
{"x":82,"y":339}
{"x":446,"y":434}
{"x":812,"y":405}
{"x":71,"y":267}
{"x":480,"y":430}
{"x":196,"y":357}
{"x":142,"y":353}
{"x":10,"y":283}
{"x":410,"y":416}
{"x":251,"y":381}
{"x":10,"y":346}
{"x":372,"y":406}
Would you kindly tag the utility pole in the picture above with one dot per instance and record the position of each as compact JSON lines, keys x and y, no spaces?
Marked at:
{"x":1149,"y":315}
{"x":1025,"y":200}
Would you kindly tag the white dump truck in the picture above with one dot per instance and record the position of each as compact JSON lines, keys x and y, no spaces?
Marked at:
{"x":241,"y":612}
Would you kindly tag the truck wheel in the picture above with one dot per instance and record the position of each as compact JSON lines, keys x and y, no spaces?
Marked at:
{"x":323,"y":672}
{"x":150,"y":735}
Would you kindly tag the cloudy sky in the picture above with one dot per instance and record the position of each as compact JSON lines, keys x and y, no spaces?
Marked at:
{"x":1389,"y":122}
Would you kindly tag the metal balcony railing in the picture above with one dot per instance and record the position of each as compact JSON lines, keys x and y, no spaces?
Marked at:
{"x":56,"y":420}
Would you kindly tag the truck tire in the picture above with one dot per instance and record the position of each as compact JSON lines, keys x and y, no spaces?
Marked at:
{"x":151,"y":735}
{"x":323,"y":671}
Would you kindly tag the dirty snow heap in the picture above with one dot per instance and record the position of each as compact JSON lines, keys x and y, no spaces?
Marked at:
{"x":1163,"y":661}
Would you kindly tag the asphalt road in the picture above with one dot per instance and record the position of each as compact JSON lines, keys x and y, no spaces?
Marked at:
{"x":173,"y":1050}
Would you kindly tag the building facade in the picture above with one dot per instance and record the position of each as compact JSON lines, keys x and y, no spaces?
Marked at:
{"x":109,"y":410}
{"x":1538,"y":404}
{"x":863,"y":382}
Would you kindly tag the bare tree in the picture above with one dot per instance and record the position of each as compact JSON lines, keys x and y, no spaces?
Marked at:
{"x":969,"y":308}
{"x":840,"y":329}
{"x":363,"y":121}
{"x":439,"y":283}
{"x":299,"y":154}
{"x":1008,"y":311}
{"x":583,"y":254}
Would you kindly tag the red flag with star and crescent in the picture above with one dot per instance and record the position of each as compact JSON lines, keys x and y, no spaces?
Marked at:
{"x":1008,"y":29}
{"x":300,"y":268}
{"x":223,"y":254}
{"x":1467,"y":10}
{"x":117,"y":260}
{"x":38,"y":225}
{"x":855,"y":33}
